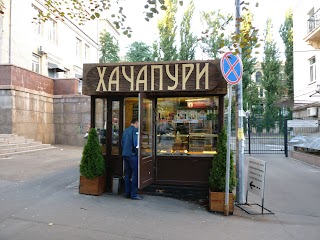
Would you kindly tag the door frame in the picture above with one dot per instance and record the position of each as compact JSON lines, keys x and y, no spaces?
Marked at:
{"x":146,"y":165}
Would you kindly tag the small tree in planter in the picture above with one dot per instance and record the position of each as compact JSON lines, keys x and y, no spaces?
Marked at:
{"x":92,"y":167}
{"x":217,"y":176}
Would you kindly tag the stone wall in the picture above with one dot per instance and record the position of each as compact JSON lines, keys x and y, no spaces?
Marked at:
{"x":32,"y":115}
{"x":65,"y":86}
{"x":305,"y":157}
{"x":6,"y":103}
{"x":30,"y":106}
{"x":71,"y":119}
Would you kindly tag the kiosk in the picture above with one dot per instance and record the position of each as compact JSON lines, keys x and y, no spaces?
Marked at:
{"x":180,"y":107}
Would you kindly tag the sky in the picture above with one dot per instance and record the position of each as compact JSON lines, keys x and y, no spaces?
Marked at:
{"x":146,"y":31}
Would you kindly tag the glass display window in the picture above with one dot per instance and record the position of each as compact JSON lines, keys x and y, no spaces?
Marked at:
{"x":101,"y":121}
{"x":187,"y":125}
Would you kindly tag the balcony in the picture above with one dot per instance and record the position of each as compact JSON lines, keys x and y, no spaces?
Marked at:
{"x":313,"y":37}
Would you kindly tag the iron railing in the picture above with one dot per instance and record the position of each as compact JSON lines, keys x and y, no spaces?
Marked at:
{"x":314,"y":21}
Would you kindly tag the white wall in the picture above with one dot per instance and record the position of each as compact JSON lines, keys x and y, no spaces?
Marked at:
{"x":25,"y":41}
{"x":4,"y":33}
{"x":302,"y":53}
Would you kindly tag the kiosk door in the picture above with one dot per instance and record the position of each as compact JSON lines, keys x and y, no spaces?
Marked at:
{"x":146,"y":142}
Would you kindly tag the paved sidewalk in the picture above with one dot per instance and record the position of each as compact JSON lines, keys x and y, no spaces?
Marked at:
{"x":43,"y":203}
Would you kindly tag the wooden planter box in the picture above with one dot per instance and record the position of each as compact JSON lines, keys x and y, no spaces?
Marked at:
{"x":217,"y":200}
{"x":95,"y":186}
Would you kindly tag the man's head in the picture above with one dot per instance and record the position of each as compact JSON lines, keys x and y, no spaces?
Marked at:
{"x":135,"y":122}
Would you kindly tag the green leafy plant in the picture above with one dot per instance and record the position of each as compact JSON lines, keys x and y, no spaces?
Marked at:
{"x":217,"y":174}
{"x":92,"y":162}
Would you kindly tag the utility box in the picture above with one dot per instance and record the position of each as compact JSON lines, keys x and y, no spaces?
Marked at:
{"x":115,"y":185}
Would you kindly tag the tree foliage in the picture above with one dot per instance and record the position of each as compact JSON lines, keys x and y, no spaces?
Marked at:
{"x":92,"y":162}
{"x":1,"y":7}
{"x":109,"y":48}
{"x":167,"y":33}
{"x":139,"y":52}
{"x":271,"y":79}
{"x":188,"y":41}
{"x":214,"y":37}
{"x":248,"y":60}
{"x":250,"y":91}
{"x":217,"y":174}
{"x":286,"y":33}
{"x":86,"y":10}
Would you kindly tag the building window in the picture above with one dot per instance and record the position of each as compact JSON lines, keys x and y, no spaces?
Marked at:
{"x":86,"y":52}
{"x":52,"y":73}
{"x":261,"y":92}
{"x":36,"y":24}
{"x":78,"y":48}
{"x":52,"y":31}
{"x":258,"y":77}
{"x":35,"y":63}
{"x":313,"y":76}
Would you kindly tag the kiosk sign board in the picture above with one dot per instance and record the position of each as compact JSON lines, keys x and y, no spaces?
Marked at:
{"x":256,"y":176}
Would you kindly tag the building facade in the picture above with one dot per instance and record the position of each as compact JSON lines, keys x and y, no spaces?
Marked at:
{"x":56,"y":49}
{"x":41,"y":69}
{"x":306,"y":48}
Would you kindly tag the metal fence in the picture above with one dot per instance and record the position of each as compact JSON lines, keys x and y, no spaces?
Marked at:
{"x":259,"y":139}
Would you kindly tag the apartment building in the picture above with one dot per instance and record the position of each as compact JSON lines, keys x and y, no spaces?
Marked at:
{"x":306,"y":47}
{"x":41,"y":69}
{"x":55,"y":49}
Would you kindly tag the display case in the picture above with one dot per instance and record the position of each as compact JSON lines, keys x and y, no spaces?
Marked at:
{"x":192,"y":137}
{"x":187,"y":126}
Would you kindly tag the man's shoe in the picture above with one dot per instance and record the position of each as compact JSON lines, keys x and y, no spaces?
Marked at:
{"x":127,"y":196}
{"x":138,"y":197}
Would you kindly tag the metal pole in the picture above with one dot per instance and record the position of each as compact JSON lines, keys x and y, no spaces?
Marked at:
{"x":285,"y":132}
{"x":249,"y":135}
{"x":240,"y":145}
{"x":226,"y":205}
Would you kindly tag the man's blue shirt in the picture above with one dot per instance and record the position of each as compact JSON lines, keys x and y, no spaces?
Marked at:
{"x":129,"y":142}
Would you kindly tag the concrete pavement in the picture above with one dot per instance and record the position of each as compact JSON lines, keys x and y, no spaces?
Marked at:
{"x":39,"y":199}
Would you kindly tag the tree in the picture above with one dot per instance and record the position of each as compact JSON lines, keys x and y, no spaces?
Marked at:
{"x":214,"y":38}
{"x":109,"y":48}
{"x":139,"y":52}
{"x":217,"y":172}
{"x":250,"y":90}
{"x":286,"y":33}
{"x":92,"y":162}
{"x":188,"y":41}
{"x":271,"y":82}
{"x":253,"y":103}
{"x":167,"y":33}
{"x":85,"y":10}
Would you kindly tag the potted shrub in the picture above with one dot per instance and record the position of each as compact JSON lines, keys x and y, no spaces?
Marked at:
{"x":217,"y":177}
{"x":92,"y":167}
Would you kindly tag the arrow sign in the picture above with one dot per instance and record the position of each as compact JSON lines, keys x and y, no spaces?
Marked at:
{"x":251,"y":185}
{"x":231,"y":68}
{"x":256,"y":176}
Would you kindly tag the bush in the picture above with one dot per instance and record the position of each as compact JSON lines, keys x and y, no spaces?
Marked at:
{"x":217,"y":174}
{"x":92,"y":162}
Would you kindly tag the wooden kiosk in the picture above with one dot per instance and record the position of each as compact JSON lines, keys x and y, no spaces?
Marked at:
{"x":180,"y":110}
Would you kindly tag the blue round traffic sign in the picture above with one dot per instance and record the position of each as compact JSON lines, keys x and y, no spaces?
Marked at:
{"x":231,"y":68}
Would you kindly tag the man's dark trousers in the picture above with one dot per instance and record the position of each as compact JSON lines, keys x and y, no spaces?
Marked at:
{"x":131,"y":175}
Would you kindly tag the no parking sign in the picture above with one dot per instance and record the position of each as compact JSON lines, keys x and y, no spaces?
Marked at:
{"x":231,"y":68}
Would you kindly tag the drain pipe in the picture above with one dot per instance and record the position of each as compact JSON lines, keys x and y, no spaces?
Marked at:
{"x":10,"y":37}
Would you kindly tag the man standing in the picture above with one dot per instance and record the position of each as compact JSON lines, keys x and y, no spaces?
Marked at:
{"x":130,"y":158}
